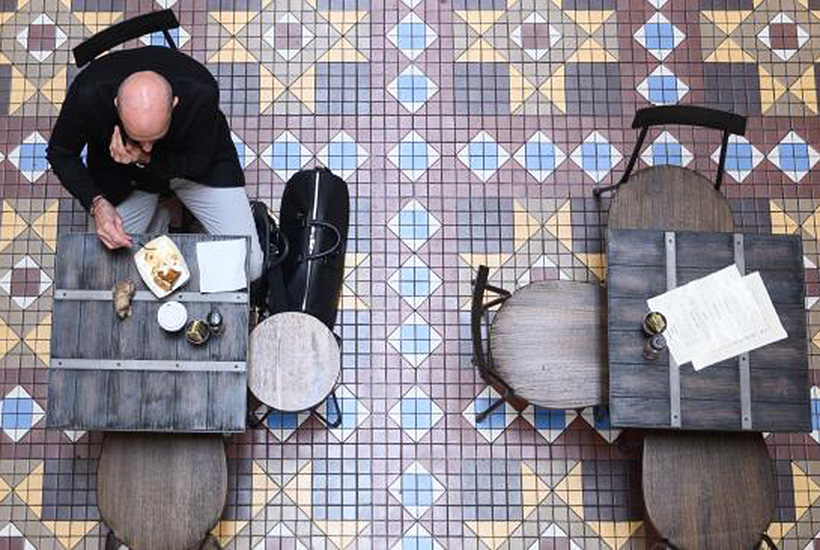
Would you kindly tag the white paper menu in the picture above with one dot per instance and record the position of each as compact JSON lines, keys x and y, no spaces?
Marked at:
{"x":717,"y":317}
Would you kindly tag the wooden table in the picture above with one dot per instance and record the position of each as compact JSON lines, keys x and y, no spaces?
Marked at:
{"x":112,"y":374}
{"x":162,"y":491}
{"x":294,"y":362}
{"x":548,"y":344}
{"x":764,"y":390}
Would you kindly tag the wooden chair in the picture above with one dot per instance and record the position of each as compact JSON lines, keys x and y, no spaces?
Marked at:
{"x":672,"y":197}
{"x":156,"y":491}
{"x":702,"y":491}
{"x":547,"y":343}
{"x":162,"y":491}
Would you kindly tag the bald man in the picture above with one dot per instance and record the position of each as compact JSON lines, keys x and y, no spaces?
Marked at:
{"x":151,"y":121}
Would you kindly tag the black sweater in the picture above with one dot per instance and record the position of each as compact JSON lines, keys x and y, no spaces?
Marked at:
{"x":197,"y":146}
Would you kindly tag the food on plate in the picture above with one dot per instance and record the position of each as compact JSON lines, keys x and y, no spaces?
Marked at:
{"x":163,"y":262}
{"x":123,"y":294}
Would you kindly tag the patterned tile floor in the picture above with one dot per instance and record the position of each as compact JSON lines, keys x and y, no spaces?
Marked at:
{"x":470,"y":131}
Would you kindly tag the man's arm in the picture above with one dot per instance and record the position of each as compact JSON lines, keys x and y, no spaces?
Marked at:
{"x":68,"y":138}
{"x":191,"y":155}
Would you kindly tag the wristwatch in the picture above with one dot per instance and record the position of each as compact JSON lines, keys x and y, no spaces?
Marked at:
{"x":139,"y":164}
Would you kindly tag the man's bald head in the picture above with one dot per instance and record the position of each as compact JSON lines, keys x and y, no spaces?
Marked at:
{"x":145,"y":101}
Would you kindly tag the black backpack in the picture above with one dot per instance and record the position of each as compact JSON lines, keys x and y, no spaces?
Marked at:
{"x":268,"y":292}
{"x":314,"y":216}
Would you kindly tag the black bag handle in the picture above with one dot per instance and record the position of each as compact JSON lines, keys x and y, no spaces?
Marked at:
{"x":333,"y":249}
{"x":124,"y":31}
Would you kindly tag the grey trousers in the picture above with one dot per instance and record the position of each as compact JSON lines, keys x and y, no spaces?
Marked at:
{"x":220,"y":210}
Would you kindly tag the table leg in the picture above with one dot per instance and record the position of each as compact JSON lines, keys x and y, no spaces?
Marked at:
{"x":254,"y":423}
{"x":482,"y":416}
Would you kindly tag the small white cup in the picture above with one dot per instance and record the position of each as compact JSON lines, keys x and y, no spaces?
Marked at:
{"x":172,"y":316}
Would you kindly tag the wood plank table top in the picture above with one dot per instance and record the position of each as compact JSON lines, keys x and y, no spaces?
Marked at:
{"x":294,"y":361}
{"x":112,"y":374}
{"x":764,"y":390}
{"x":548,"y":344}
{"x":162,"y":491}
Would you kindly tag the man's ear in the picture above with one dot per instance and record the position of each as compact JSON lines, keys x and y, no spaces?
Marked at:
{"x":176,"y":100}
{"x":116,"y":103}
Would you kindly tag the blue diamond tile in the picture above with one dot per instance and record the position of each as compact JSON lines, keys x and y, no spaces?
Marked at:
{"x":244,"y":152}
{"x":741,"y":157}
{"x":416,"y":413}
{"x":282,"y":424}
{"x":415,"y":339}
{"x":180,"y":36}
{"x":550,"y":423}
{"x":417,"y":538}
{"x":496,"y":422}
{"x":19,"y":412}
{"x":30,"y":157}
{"x":285,"y":156}
{"x":662,"y":87}
{"x":414,"y":281}
{"x":416,"y":489}
{"x":412,"y":88}
{"x":413,"y":155}
{"x":540,"y":156}
{"x":342,"y":155}
{"x":598,"y":418}
{"x":483,"y":156}
{"x":412,"y":35}
{"x":353,"y":413}
{"x":596,"y":156}
{"x":794,"y":157}
{"x":414,"y":225}
{"x":659,"y":36}
{"x":665,"y":149}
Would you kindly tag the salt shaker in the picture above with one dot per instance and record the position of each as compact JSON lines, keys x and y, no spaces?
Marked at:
{"x":653,"y":347}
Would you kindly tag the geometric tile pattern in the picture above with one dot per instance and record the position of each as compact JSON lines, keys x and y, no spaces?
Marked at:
{"x":469,"y":135}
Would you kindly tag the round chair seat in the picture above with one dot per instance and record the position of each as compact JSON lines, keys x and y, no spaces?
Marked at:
{"x":293,"y":361}
{"x":162,"y":491}
{"x":670,"y":198}
{"x":706,"y":490}
{"x":548,"y":343}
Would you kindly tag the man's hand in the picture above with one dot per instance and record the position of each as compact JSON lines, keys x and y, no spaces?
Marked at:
{"x":126,"y":153}
{"x":109,"y":226}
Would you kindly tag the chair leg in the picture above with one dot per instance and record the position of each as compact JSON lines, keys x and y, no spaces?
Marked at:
{"x":768,"y":540}
{"x":111,"y":542}
{"x":482,"y":416}
{"x":256,"y":422}
{"x":336,"y":423}
{"x":210,"y":543}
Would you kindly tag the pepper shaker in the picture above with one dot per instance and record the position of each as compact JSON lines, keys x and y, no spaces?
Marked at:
{"x":215,"y":322}
{"x":653,"y":347}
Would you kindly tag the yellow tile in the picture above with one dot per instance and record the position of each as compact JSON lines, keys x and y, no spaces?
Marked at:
{"x":726,"y":20}
{"x":304,"y":88}
{"x":782,"y":223}
{"x":480,"y":51}
{"x":729,"y":51}
{"x":571,"y":490}
{"x":811,"y":225}
{"x":341,"y":533}
{"x":69,"y":533}
{"x":591,"y":51}
{"x":233,"y":21}
{"x":804,"y":89}
{"x":771,"y":89}
{"x":589,"y":20}
{"x":343,"y":52}
{"x":263,"y":489}
{"x":480,"y":20}
{"x":95,"y":21}
{"x":533,"y":489}
{"x":11,"y":225}
{"x":520,"y":89}
{"x":595,"y":263}
{"x":54,"y":90}
{"x":45,"y":226}
{"x":525,"y":225}
{"x":493,"y":533}
{"x":299,"y":489}
{"x":343,"y":20}
{"x":30,"y":490}
{"x":615,"y":533}
{"x":8,"y":338}
{"x":232,"y":52}
{"x":226,"y":530}
{"x":39,"y":339}
{"x":21,"y":90}
{"x":270,"y":88}
{"x":554,"y":88}
{"x":559,"y":224}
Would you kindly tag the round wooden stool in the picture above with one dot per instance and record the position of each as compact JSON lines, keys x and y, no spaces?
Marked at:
{"x":708,"y":490}
{"x":548,"y":344}
{"x":670,"y":198}
{"x":293,"y":363}
{"x":162,"y":491}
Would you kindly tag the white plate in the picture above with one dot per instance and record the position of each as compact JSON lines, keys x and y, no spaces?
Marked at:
{"x":172,"y":316}
{"x":162,"y":245}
